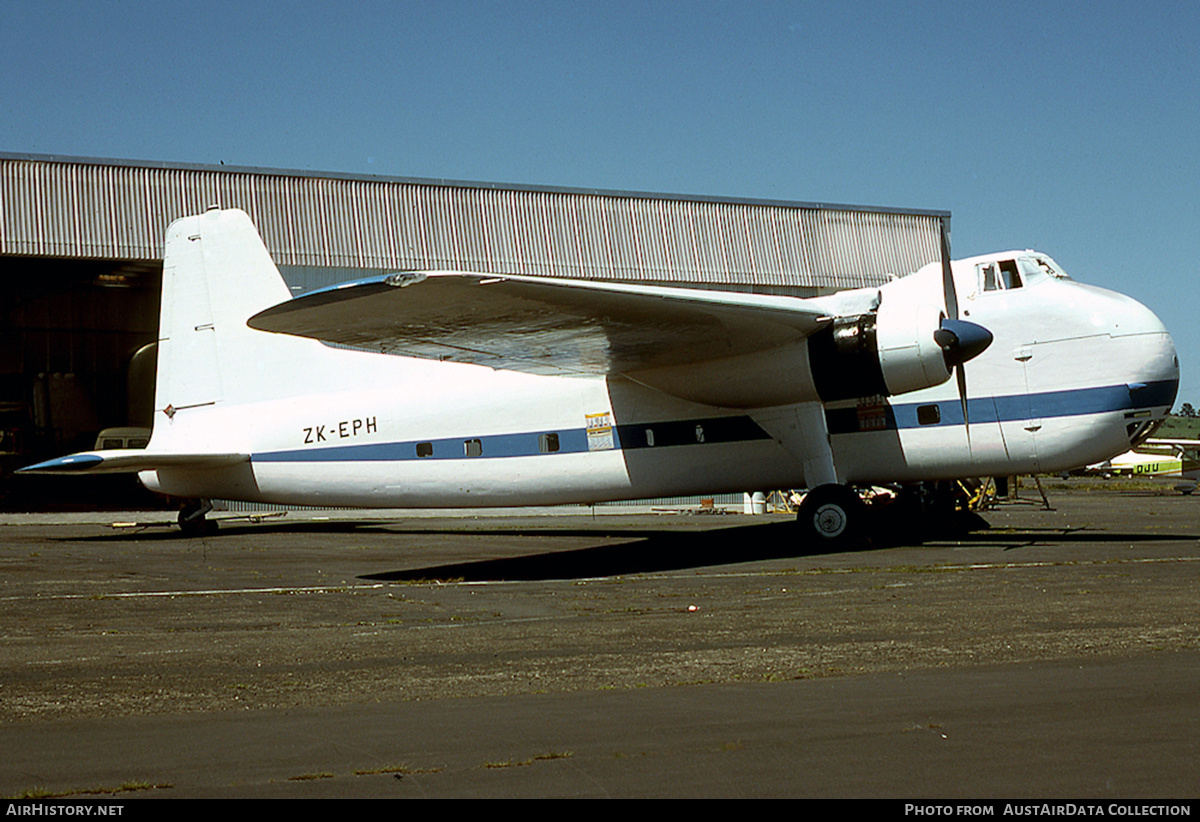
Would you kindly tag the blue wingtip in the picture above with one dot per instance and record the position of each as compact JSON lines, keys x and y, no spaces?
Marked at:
{"x":75,"y":462}
{"x":374,"y":279}
{"x":323,"y":296}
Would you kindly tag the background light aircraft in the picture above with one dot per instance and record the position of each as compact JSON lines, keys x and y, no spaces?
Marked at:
{"x":1158,"y":457}
{"x":427,"y":389}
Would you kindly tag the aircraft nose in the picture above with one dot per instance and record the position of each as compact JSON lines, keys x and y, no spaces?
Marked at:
{"x":1126,"y":343}
{"x":1155,"y":363}
{"x":1129,"y":317}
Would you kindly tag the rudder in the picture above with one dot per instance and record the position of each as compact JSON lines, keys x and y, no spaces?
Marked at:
{"x":216,"y":274}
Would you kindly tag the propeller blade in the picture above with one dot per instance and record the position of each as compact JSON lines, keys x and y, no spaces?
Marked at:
{"x":959,"y":340}
{"x":962,"y":396}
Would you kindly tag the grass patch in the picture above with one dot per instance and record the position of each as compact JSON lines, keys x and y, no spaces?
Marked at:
{"x":509,"y":763}
{"x":403,"y":770}
{"x":124,"y":787}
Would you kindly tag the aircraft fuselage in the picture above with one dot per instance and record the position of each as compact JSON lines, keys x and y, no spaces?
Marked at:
{"x":1073,"y":375}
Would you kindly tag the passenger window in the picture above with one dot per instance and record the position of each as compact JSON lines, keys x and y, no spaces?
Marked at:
{"x":928,"y":415}
{"x":472,"y":448}
{"x":548,"y":443}
{"x":424,"y":449}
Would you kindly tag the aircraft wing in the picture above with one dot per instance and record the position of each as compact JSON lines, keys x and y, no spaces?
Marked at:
{"x":1173,"y":442}
{"x":542,"y":325}
{"x":128,"y":460}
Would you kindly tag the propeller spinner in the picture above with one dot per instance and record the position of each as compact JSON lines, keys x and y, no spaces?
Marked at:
{"x":961,"y":341}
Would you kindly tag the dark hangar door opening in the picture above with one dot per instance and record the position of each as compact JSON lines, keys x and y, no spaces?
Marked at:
{"x":69,"y":333}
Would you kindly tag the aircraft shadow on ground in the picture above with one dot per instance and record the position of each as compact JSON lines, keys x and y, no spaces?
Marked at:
{"x":641,"y":550}
{"x":1030,"y":537}
{"x":663,"y":551}
{"x":168,"y":531}
{"x":646,"y":551}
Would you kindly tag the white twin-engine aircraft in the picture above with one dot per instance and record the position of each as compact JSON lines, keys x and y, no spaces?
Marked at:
{"x":451,"y":389}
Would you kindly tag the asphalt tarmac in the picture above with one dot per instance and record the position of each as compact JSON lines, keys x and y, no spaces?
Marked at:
{"x":377,"y":654}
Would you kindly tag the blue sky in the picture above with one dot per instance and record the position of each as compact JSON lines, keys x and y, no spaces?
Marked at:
{"x":1069,"y":127}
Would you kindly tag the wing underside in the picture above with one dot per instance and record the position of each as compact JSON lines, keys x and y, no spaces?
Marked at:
{"x":542,"y":325}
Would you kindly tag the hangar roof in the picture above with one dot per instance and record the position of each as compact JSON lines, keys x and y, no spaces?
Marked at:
{"x":119,"y":209}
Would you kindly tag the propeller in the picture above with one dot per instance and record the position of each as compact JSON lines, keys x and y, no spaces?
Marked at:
{"x":959,"y":340}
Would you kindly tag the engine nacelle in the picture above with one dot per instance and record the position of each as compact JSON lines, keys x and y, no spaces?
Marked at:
{"x":909,"y":353}
{"x":901,"y":346}
{"x":886,"y":352}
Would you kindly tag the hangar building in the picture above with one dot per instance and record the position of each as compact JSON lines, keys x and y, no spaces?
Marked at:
{"x":81,"y":244}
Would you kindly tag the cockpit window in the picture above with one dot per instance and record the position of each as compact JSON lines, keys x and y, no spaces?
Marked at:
{"x":987,"y":277}
{"x":1031,"y":270}
{"x":1009,"y":274}
{"x":1005,"y":275}
{"x":1001,"y":274}
{"x":1037,"y":267}
{"x":1050,"y":267}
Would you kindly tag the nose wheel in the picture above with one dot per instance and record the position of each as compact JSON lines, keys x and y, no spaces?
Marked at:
{"x":834,"y":517}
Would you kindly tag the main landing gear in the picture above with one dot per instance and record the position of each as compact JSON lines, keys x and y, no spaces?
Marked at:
{"x":834,"y":517}
{"x":192,"y":518}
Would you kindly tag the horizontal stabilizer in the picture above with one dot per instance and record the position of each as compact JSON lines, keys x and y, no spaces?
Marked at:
{"x":542,"y":325}
{"x":124,"y":461}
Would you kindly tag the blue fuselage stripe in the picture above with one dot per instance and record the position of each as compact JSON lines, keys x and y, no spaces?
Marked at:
{"x":630,"y":436}
{"x":1048,"y":405}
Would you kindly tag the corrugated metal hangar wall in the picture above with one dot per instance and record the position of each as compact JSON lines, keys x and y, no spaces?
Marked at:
{"x":81,"y":249}
{"x":110,"y":210}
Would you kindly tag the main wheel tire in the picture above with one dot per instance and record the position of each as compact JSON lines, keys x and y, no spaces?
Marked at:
{"x":833,"y":516}
{"x":200,"y":527}
{"x":192,"y":520}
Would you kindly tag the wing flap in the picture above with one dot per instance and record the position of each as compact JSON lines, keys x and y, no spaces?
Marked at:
{"x":542,"y":325}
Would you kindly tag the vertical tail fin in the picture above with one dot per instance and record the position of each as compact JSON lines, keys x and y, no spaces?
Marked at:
{"x":216,"y":274}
